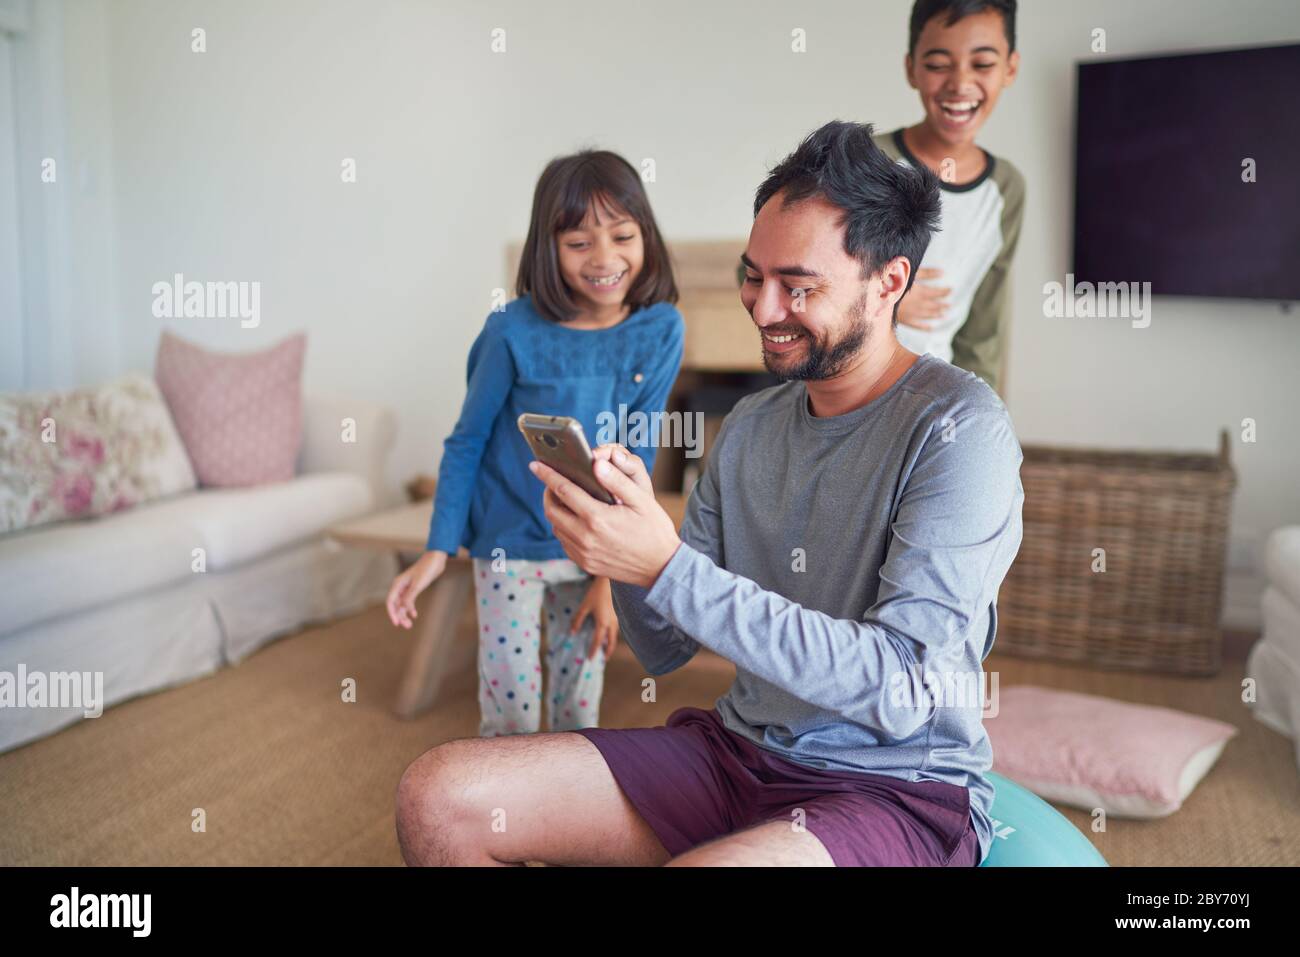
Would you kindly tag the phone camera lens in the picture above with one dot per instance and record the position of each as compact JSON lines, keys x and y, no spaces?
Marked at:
{"x":550,"y":440}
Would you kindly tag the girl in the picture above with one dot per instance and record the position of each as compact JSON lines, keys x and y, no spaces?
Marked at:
{"x":593,"y":330}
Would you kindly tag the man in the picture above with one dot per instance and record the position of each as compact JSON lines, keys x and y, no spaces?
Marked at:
{"x":850,"y":532}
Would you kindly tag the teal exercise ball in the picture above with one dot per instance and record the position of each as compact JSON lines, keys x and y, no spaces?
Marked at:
{"x":1029,"y":832}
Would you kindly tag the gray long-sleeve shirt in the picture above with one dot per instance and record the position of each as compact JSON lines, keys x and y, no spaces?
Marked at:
{"x":849,"y":567}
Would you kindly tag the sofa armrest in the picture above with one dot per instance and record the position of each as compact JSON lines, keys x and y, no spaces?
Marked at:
{"x":364,"y":450}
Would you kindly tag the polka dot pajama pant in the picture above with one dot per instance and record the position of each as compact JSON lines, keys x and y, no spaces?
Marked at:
{"x":516,"y":605}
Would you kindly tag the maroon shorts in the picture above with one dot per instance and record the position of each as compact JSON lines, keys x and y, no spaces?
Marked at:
{"x":694,"y":780}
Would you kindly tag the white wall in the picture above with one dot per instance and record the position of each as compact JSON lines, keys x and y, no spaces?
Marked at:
{"x":226,"y":167}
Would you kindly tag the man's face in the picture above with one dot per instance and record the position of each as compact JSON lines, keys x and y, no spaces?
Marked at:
{"x":960,"y":71}
{"x":814,"y":311}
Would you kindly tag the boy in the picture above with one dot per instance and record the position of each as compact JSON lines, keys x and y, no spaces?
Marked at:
{"x":961,"y":56}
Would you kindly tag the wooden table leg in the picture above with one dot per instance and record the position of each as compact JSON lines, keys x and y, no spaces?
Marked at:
{"x":434,"y":654}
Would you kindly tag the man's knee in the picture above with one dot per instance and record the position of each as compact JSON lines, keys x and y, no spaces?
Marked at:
{"x":434,"y":799}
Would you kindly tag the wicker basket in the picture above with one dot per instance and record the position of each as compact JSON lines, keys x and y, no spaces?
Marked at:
{"x":1162,"y":519}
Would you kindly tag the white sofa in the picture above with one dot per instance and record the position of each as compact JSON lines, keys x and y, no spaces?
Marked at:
{"x":1274,"y":661}
{"x":119,"y":594}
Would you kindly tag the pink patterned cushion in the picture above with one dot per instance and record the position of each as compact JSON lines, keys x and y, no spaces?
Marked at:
{"x":239,"y":415}
{"x":87,"y":452}
{"x":1084,"y":751}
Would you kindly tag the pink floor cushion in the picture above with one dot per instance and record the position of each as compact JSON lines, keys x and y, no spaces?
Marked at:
{"x":1089,"y":752}
{"x":239,"y":414}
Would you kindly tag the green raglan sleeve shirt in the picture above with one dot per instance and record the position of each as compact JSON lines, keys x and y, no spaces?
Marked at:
{"x":980,"y":343}
{"x":978,"y":233}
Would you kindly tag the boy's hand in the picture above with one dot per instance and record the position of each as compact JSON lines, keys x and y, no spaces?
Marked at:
{"x":924,"y":304}
{"x":599,"y":604}
{"x":629,"y":542}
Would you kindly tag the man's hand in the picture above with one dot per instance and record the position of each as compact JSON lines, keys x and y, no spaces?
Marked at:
{"x":629,"y":542}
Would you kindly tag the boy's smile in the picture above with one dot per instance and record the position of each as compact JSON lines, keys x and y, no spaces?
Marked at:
{"x":959,"y":114}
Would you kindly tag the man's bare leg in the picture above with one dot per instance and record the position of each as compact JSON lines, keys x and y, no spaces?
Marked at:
{"x":770,"y":844}
{"x":526,"y":797}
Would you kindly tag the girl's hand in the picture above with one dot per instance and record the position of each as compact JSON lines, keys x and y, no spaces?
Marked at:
{"x":924,"y":304}
{"x":409,"y":584}
{"x":599,"y":604}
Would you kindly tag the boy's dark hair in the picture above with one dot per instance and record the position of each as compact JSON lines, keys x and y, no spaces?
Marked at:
{"x":890,"y":209}
{"x":567,"y":188}
{"x":923,"y":11}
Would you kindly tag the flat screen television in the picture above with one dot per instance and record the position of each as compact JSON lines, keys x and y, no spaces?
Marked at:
{"x":1165,"y":151}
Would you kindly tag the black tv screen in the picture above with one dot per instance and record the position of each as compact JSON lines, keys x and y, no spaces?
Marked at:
{"x":1163,"y":149}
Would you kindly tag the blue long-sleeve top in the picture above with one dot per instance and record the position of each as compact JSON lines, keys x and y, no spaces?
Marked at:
{"x":521,"y":362}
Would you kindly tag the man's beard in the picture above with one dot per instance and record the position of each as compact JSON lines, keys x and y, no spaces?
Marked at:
{"x":825,"y":360}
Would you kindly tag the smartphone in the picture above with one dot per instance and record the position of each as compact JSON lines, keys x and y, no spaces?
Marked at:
{"x":558,"y":441}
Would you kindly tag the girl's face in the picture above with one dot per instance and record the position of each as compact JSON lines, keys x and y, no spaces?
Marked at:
{"x":601,"y":257}
{"x":960,"y":71}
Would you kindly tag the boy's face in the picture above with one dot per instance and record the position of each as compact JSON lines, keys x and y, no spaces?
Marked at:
{"x":960,"y":71}
{"x":602,"y":256}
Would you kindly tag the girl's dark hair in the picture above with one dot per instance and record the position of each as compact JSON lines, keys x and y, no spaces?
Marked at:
{"x":567,"y":188}
{"x":923,"y":11}
{"x":889,"y":209}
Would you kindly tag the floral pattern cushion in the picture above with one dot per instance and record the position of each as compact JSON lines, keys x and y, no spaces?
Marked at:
{"x":87,"y":452}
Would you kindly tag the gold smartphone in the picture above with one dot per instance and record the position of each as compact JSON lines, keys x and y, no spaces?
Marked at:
{"x":558,"y":441}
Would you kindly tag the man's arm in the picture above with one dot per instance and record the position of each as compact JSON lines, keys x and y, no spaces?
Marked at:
{"x":980,"y":343}
{"x":659,"y":646}
{"x":957,"y":529}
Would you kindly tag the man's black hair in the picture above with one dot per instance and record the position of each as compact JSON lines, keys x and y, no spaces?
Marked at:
{"x":890,"y":209}
{"x":923,"y":11}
